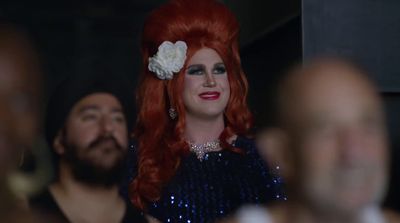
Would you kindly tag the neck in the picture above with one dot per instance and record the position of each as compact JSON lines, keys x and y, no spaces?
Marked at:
{"x":74,"y":188}
{"x":200,"y":131}
{"x":87,"y":203}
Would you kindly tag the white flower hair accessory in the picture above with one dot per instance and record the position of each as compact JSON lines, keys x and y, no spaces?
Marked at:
{"x":168,"y":60}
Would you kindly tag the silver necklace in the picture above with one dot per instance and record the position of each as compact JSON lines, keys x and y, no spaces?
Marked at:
{"x":201,"y":149}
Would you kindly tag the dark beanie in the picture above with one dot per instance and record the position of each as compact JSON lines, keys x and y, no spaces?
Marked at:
{"x":74,"y":88}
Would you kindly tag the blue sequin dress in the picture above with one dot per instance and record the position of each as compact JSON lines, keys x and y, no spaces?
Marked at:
{"x":203,"y":191}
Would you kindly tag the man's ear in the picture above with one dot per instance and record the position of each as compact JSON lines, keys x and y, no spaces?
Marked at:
{"x":273,"y":145}
{"x":58,"y":144}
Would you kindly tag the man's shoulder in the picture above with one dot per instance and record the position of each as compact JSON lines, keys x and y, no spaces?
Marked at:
{"x":132,"y":214}
{"x":42,"y":200}
{"x":45,"y":207}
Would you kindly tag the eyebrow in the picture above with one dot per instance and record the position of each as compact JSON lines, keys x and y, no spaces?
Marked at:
{"x":195,"y":66}
{"x":88,"y":107}
{"x":118,"y":110}
{"x":219,"y":64}
{"x":96,"y":107}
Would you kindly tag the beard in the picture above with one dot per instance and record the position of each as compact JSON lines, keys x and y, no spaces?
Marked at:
{"x":89,"y":171}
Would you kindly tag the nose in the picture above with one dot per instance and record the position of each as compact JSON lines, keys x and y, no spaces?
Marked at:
{"x":209,"y":80}
{"x":106,"y":126}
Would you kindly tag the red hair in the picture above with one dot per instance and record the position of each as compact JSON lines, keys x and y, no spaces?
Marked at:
{"x":203,"y":23}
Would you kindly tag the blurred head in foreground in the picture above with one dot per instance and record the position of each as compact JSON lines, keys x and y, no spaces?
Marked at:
{"x":19,"y":108}
{"x":19,"y":94}
{"x":330,"y":141}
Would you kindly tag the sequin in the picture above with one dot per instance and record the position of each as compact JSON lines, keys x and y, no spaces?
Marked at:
{"x":204,"y":191}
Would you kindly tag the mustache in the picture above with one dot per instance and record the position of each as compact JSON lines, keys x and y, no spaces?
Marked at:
{"x":103,"y":139}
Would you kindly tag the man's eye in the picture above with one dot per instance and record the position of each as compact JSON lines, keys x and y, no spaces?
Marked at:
{"x":89,"y":117}
{"x":119,"y":119}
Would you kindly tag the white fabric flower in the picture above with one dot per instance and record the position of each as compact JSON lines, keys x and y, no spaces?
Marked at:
{"x":169,"y":59}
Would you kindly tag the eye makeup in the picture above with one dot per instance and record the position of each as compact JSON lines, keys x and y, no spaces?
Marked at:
{"x":196,"y":69}
{"x":199,"y":69}
{"x":219,"y":68}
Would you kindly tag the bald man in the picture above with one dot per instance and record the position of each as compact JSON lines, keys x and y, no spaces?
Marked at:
{"x":332,"y":147}
{"x":20,"y":79}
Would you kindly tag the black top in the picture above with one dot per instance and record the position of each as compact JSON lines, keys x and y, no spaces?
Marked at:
{"x":48,"y":210}
{"x":203,"y":191}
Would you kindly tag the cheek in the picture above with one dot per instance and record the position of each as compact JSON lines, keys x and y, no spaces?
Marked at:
{"x":27,"y":128}
{"x":81,"y":135}
{"x":316,"y":168}
{"x":224,"y":83}
{"x":377,"y":149}
{"x":318,"y":157}
{"x":22,"y":123}
{"x":192,"y":82}
{"x":121,"y":135}
{"x":225,"y":87}
{"x":188,"y":86}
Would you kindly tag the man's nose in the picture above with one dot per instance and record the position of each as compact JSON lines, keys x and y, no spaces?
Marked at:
{"x":106,"y":125}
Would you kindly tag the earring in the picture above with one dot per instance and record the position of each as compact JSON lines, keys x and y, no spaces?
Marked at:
{"x":172,"y":113}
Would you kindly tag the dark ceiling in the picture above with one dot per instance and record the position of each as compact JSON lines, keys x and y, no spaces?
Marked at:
{"x":256,"y":16}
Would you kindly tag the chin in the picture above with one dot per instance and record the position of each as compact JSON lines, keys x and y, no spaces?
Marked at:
{"x":212,"y":110}
{"x":108,"y":162}
{"x":212,"y":114}
{"x":356,"y":200}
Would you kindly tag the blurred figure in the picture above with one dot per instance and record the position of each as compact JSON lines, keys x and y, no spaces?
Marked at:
{"x":19,"y":108}
{"x":332,"y":145}
{"x":19,"y":94}
{"x":87,"y":125}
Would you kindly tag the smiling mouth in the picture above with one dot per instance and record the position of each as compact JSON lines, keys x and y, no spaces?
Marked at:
{"x":209,"y":95}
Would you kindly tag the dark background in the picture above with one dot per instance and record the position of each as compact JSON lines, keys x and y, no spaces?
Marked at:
{"x":83,"y":37}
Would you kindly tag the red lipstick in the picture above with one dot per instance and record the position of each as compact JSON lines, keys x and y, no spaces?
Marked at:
{"x":209,"y":95}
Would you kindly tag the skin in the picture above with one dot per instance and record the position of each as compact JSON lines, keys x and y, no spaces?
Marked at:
{"x":331,"y":144}
{"x":19,"y":97}
{"x":19,"y":111}
{"x":205,"y":95}
{"x":96,"y":115}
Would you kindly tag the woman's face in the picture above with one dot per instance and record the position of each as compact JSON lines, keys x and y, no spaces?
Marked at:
{"x":206,"y":88}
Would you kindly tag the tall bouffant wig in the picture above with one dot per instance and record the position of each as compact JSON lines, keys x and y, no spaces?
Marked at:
{"x":161,"y":143}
